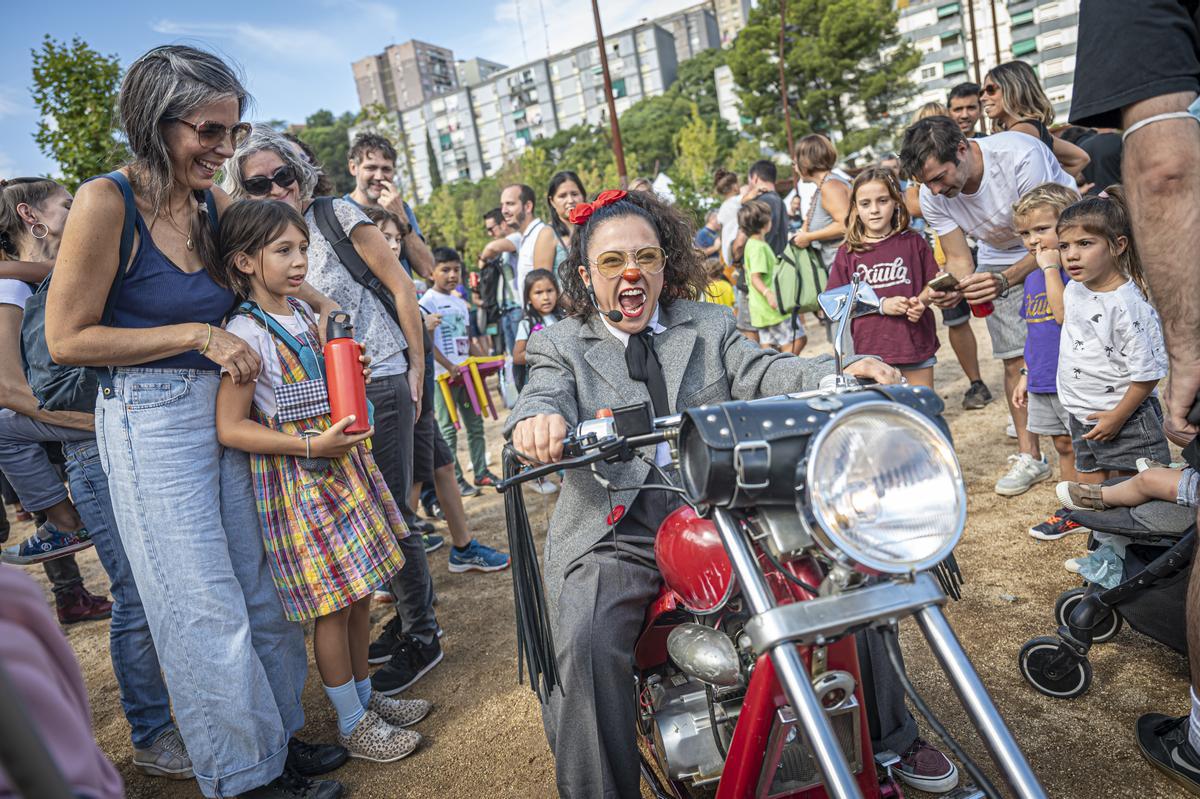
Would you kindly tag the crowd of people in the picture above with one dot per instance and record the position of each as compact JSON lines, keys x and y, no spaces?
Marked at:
{"x":228,"y":508}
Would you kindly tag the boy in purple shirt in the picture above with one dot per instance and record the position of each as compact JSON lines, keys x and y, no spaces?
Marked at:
{"x":1035,"y":217}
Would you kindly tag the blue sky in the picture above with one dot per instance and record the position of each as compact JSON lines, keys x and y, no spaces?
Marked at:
{"x":295,"y":55}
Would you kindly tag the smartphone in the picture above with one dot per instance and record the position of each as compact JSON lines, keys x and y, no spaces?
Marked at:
{"x":944,"y":282}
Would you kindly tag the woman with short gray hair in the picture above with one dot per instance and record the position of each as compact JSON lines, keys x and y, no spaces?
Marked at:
{"x":266,"y":166}
{"x":185,"y":508}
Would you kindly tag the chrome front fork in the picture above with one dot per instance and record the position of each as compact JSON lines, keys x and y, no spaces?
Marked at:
{"x":778,"y":628}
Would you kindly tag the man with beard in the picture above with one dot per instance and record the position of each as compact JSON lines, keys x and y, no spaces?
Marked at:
{"x":373,"y":166}
{"x":536,"y":250}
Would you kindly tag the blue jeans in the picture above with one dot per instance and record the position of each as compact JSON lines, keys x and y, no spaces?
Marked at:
{"x":509,"y":321}
{"x":135,"y":662}
{"x":186,"y":511}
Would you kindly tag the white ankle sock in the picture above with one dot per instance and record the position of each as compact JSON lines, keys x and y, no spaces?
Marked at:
{"x":1194,"y":722}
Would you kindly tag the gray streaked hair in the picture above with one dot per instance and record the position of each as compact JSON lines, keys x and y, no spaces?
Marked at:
{"x":264,"y":138}
{"x":169,"y":82}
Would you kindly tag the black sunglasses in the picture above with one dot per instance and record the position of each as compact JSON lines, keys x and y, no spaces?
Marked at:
{"x":213,"y":134}
{"x":261,"y":184}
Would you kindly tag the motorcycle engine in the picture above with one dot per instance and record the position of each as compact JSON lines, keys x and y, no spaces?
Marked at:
{"x":681,"y":714}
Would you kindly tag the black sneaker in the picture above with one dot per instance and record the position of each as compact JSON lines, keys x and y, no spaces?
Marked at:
{"x":486,"y":480}
{"x":410,"y":661}
{"x":312,"y":760}
{"x":290,"y":785}
{"x":977,"y":396}
{"x":382,"y":647}
{"x":418,"y":525}
{"x":466,"y":489}
{"x":1164,"y":742}
{"x":434,"y":511}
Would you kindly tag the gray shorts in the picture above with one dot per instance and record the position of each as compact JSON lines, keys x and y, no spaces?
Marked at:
{"x":741,"y":304}
{"x":778,"y":335}
{"x":1047,"y":417}
{"x":1005,"y":324}
{"x":1141,"y":437}
{"x":1189,"y":488}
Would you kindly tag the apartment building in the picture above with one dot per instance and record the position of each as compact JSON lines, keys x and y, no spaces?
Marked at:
{"x":731,"y":18}
{"x":695,"y":29}
{"x":1040,"y":32}
{"x":474,"y":71}
{"x":473,"y":130}
{"x":405,"y":75}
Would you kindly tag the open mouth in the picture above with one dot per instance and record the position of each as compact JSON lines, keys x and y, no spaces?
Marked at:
{"x":632,"y":301}
{"x":208,"y":168}
{"x":295,"y":280}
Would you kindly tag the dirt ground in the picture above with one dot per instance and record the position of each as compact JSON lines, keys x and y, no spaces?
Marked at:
{"x":485,"y":738}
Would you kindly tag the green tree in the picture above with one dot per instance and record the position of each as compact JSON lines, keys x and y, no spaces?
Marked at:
{"x":843,"y":58}
{"x":329,"y":136}
{"x":435,"y":174}
{"x":75,"y":90}
{"x":698,"y":151}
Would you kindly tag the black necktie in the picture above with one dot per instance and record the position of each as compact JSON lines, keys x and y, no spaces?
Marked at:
{"x":644,"y":367}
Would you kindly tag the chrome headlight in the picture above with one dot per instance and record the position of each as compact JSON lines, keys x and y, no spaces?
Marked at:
{"x":886,"y":490}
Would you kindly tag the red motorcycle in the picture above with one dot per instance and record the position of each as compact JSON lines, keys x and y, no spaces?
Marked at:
{"x":808,"y":517}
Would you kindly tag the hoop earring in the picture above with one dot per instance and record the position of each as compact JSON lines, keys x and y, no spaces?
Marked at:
{"x":33,"y":230}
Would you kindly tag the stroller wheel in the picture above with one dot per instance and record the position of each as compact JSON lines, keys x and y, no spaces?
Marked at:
{"x":1105,"y":628}
{"x":1037,"y":666}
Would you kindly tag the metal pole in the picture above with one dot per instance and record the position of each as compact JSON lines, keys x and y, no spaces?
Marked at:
{"x":974,"y":37}
{"x":618,"y":149}
{"x":995,"y":32}
{"x":787,"y":117}
{"x":789,"y":668}
{"x":979,"y":706}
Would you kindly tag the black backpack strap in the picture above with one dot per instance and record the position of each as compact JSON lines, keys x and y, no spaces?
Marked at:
{"x":346,"y":252}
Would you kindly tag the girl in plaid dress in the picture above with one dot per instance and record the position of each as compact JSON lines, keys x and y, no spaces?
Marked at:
{"x":329,"y":523}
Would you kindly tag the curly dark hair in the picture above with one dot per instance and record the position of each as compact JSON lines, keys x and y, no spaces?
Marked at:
{"x":684,"y":276}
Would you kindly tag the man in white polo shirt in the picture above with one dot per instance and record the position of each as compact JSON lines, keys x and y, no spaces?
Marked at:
{"x":968,"y":188}
{"x":537,"y":238}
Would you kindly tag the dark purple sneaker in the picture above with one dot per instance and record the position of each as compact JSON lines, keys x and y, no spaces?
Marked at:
{"x":925,"y":768}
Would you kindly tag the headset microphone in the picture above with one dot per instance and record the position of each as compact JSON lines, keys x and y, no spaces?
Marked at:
{"x":614,"y":316}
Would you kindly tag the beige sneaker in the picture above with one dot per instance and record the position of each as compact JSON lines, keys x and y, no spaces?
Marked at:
{"x":398,"y":712}
{"x":375,"y":739}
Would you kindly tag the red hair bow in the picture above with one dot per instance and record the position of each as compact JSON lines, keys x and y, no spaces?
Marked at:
{"x":581,"y":213}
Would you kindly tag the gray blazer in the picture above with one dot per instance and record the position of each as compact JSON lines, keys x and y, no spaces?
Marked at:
{"x":576,"y":368}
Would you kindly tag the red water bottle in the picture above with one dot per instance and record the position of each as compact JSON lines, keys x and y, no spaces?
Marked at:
{"x":344,"y":373}
{"x":982,"y":309}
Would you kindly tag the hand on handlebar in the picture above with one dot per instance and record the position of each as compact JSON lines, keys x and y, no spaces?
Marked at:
{"x":541,"y":437}
{"x":876,"y":370}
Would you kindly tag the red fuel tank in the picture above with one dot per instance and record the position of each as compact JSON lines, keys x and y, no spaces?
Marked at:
{"x":692,"y":560}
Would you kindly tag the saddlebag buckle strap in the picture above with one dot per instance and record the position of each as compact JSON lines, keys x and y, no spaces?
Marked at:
{"x":752,"y":465}
{"x":828,"y":617}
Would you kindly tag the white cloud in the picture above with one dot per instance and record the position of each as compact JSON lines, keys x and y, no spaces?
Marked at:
{"x":282,"y":42}
{"x":14,"y":103}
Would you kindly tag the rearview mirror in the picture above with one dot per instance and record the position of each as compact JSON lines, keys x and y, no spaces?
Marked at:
{"x":834,"y":302}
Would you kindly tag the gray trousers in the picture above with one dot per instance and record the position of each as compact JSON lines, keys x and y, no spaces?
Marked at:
{"x":392,"y":447}
{"x":590,"y":721}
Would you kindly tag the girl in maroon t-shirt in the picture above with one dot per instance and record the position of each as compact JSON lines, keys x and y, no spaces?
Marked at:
{"x":898,"y":263}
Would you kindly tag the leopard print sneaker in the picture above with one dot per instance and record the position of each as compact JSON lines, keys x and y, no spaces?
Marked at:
{"x":375,"y":739}
{"x":398,"y":712}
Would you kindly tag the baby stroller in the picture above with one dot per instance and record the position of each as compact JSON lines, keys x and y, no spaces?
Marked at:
{"x":1151,"y":596}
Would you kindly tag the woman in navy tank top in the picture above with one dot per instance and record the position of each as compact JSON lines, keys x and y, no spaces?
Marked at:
{"x":234,"y":666}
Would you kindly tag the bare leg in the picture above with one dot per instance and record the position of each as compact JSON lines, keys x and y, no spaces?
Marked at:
{"x":450,"y":498}
{"x":919,"y":377}
{"x":331,"y":647}
{"x":1161,"y":166}
{"x":1151,"y":484}
{"x":358,"y":631}
{"x":63,"y":516}
{"x":962,"y":340}
{"x":799,"y":344}
{"x":1027,"y":441}
{"x":1066,"y":458}
{"x":1091,"y":478}
{"x":751,"y":334}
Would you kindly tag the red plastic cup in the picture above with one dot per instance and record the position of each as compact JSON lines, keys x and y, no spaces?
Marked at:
{"x":982,"y":309}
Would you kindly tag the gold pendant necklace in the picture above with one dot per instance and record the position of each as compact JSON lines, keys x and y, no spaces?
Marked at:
{"x":191,"y":245}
